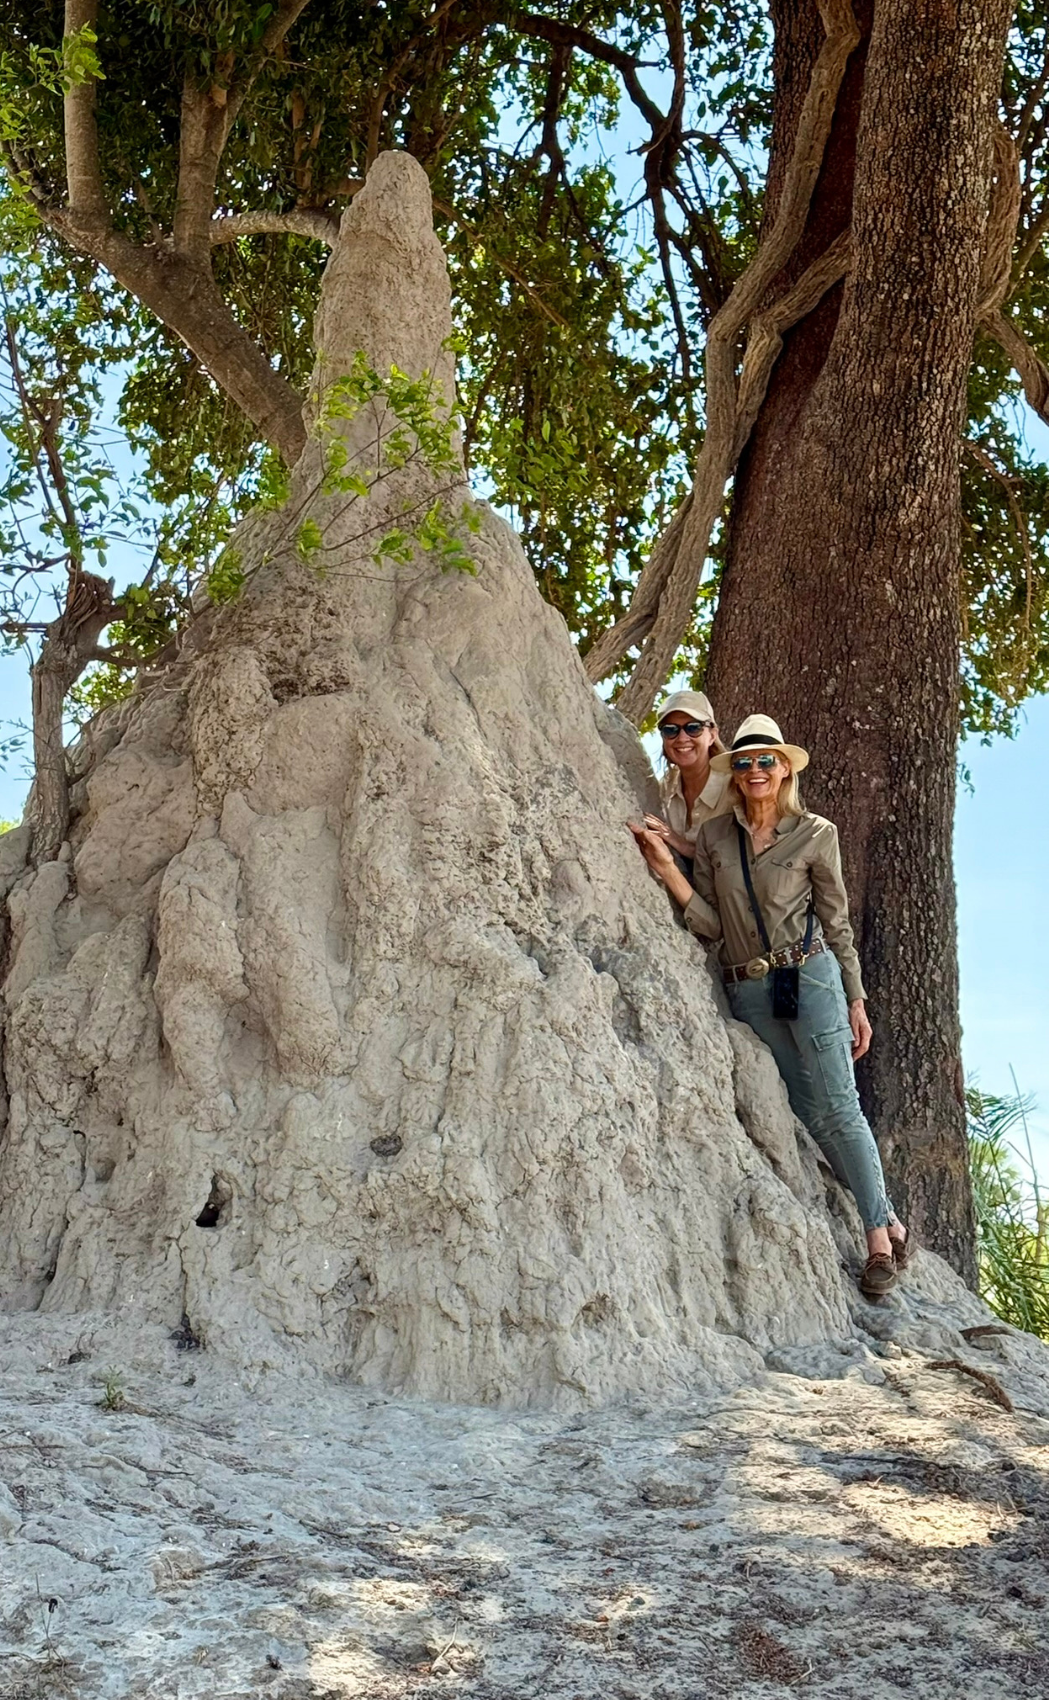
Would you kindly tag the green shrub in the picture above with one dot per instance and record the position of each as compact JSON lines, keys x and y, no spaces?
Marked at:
{"x":1012,"y":1214}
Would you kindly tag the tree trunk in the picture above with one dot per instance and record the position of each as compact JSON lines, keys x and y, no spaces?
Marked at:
{"x":65,"y":651}
{"x":839,"y":611}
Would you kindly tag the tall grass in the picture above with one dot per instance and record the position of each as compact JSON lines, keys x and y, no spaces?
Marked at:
{"x":1012,"y":1212}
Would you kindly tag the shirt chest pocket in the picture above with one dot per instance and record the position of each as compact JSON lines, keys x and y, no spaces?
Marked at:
{"x":785,"y":873}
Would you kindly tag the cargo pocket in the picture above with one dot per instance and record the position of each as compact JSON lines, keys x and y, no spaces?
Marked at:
{"x":834,"y":1056}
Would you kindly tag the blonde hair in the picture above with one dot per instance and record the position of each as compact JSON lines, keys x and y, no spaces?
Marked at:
{"x":788,"y":797}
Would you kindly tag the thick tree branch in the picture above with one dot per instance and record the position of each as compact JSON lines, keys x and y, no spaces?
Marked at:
{"x":181,"y":291}
{"x":729,"y":407}
{"x":208,"y":116}
{"x":765,"y":336}
{"x":997,"y":268}
{"x":174,"y":279}
{"x":318,"y":226}
{"x":203,"y":131}
{"x":87,"y":198}
{"x":67,"y":647}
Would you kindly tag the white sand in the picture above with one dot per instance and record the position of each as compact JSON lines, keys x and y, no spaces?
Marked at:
{"x":880,"y":1535}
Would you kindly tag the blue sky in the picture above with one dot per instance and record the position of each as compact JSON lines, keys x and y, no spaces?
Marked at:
{"x":1001,"y":867}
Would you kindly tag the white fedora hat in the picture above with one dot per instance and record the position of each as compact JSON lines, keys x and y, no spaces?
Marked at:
{"x":759,"y":732}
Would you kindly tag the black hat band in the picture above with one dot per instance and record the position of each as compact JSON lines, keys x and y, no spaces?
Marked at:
{"x":753,"y":738}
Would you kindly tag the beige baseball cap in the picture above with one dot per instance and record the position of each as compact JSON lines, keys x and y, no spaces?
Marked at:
{"x":759,"y":732}
{"x":692,"y":703}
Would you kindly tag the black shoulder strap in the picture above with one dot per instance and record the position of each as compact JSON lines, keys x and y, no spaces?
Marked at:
{"x":744,"y":862}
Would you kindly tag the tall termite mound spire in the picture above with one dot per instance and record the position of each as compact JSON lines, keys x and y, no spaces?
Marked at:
{"x":349,"y":1025}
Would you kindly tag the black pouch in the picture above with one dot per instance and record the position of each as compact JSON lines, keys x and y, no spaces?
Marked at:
{"x":786,"y":982}
{"x":786,"y":987}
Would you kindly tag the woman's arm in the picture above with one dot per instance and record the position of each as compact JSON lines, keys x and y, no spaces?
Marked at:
{"x":831,"y":903}
{"x":832,"y":907}
{"x":700,"y":916}
{"x":701,"y":913}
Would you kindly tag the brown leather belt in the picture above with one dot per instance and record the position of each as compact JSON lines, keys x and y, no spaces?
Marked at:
{"x":776,"y":959}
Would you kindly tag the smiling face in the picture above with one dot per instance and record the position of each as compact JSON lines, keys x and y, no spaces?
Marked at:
{"x":762,"y":779}
{"x":687,"y":749}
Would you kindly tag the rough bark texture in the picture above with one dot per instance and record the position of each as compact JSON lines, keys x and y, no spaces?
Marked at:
{"x":66,"y":647}
{"x":840,"y":607}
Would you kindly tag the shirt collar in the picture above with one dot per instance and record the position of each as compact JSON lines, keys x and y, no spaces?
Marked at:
{"x":710,"y":794}
{"x":785,"y":824}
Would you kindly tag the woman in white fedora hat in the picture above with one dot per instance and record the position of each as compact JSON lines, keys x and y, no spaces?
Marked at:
{"x":767,"y":885}
{"x":691,"y":793}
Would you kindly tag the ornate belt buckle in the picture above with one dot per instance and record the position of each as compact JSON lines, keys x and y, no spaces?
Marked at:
{"x":757,"y":968}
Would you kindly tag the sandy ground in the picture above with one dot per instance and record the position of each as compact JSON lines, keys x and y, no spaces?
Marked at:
{"x":181,"y":1534}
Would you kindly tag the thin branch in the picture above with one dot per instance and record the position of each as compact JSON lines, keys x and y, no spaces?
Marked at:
{"x":506,"y":265}
{"x":127,"y":658}
{"x":49,"y":438}
{"x":725,"y":153}
{"x":318,"y":226}
{"x":1033,"y":239}
{"x":24,"y":171}
{"x":1023,"y":129}
{"x":568,"y":35}
{"x":1029,"y":366}
{"x":31,"y":412}
{"x":983,"y":459}
{"x":557,"y":76}
{"x":284,"y":17}
{"x":389,"y":81}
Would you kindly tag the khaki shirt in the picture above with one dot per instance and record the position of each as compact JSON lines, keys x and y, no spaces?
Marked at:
{"x":675,"y":809}
{"x":802,"y":860}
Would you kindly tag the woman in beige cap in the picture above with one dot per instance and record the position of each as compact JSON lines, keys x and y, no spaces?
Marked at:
{"x":767,"y":885}
{"x":691,"y":793}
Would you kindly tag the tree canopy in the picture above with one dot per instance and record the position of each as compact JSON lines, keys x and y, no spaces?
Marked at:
{"x":598,"y":175}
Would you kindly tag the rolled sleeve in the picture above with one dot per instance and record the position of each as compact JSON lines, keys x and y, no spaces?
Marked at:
{"x":832,"y":907}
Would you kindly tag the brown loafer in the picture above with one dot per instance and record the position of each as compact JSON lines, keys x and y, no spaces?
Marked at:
{"x":901,"y":1250}
{"x":879,"y":1275}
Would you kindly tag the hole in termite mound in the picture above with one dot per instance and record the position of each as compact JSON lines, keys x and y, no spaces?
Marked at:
{"x":216,"y":1211}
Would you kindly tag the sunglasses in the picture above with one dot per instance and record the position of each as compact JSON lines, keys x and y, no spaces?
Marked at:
{"x":690,"y":726}
{"x":743,"y":764}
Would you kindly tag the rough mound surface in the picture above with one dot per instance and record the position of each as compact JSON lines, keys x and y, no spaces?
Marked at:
{"x":348,"y":1027}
